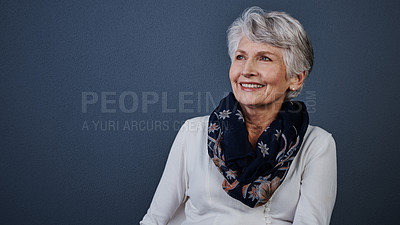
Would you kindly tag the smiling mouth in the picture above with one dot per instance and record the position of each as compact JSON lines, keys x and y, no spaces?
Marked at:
{"x":251,"y":85}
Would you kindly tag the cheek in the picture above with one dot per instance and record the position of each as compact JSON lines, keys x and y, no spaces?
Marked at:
{"x":275,"y":78}
{"x":232,"y":74}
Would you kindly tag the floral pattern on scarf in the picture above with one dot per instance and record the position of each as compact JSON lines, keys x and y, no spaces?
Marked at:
{"x":253,"y":175}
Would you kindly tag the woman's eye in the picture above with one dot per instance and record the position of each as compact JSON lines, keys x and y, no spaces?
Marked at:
{"x":239,"y":57}
{"x":265,"y":58}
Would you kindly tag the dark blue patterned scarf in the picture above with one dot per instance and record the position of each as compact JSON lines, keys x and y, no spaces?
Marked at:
{"x":252,"y":176}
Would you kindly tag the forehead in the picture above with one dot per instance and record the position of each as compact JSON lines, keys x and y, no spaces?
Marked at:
{"x":250,"y":47}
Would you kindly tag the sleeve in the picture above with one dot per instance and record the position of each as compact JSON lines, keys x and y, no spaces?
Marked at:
{"x":170,"y":193}
{"x":318,"y":185}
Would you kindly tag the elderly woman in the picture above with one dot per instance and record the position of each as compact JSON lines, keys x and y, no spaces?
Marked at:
{"x":255,"y":159}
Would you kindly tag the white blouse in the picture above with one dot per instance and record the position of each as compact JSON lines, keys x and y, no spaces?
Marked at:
{"x":190,"y":190}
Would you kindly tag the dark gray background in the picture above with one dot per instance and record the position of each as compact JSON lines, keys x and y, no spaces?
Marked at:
{"x":53,"y":172}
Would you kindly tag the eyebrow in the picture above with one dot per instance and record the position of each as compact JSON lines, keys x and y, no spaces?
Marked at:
{"x":259,"y":53}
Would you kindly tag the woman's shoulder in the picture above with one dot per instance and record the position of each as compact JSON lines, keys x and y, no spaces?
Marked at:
{"x":315,"y":132}
{"x":318,"y":141}
{"x":199,"y":119}
{"x":196,"y":124}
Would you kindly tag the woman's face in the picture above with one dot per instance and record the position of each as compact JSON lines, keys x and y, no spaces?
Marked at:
{"x":258,"y":74}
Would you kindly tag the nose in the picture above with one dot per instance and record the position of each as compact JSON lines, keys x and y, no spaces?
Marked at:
{"x":249,"y":69}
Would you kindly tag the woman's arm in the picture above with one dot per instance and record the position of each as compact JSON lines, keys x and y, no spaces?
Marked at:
{"x":318,"y":185}
{"x":170,"y":193}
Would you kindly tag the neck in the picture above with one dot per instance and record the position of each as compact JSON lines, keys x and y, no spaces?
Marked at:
{"x":258,"y":118}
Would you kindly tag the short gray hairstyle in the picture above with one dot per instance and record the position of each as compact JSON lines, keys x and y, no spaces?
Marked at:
{"x":278,"y":29}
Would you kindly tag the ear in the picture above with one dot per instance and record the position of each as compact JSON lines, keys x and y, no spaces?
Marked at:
{"x":297,"y":81}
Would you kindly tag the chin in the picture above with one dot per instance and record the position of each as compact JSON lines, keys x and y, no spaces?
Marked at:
{"x":252,"y":100}
{"x":252,"y":103}
{"x":249,"y":100}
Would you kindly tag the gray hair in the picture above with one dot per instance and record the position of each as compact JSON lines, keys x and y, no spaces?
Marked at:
{"x":278,"y":29}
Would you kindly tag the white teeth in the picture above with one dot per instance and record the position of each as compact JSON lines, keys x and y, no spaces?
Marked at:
{"x":251,"y":85}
